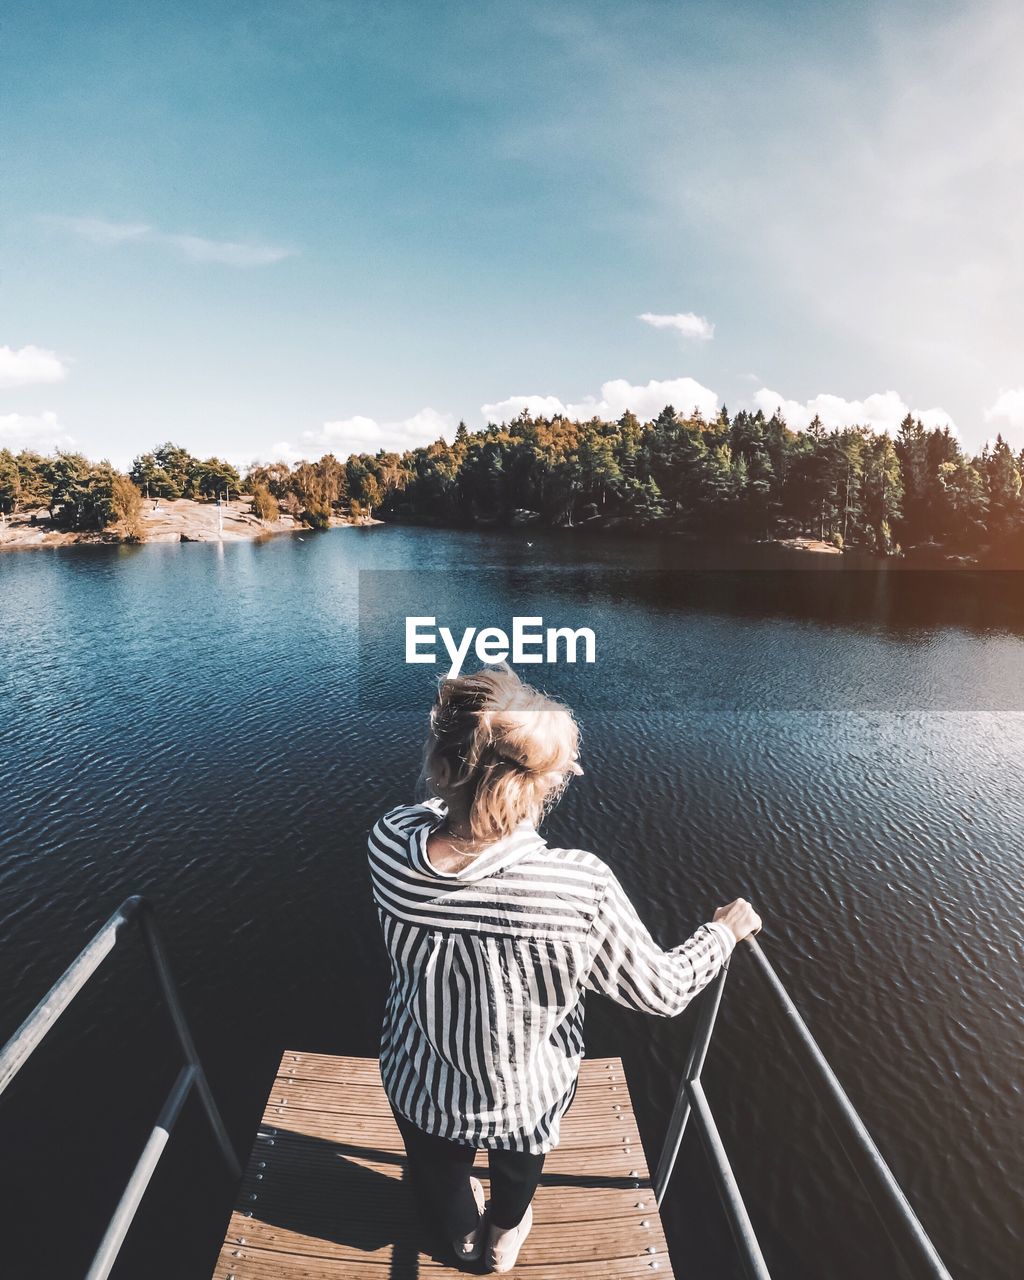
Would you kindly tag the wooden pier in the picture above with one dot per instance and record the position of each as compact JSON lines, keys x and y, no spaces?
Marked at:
{"x":324,"y":1197}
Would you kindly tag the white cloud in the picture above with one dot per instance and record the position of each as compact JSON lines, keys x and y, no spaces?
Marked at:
{"x":30,"y":365}
{"x":535,"y":406}
{"x":360,"y":434}
{"x":101,"y":230}
{"x":616,"y":397}
{"x":427,"y":426}
{"x":1008,"y":408}
{"x":285,"y":452}
{"x":684,"y":322}
{"x":231,"y":253}
{"x":649,"y":400}
{"x":883,"y":411}
{"x":936,"y":418}
{"x":41,"y":432}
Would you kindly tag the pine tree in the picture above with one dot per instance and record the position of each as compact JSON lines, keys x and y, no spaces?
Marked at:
{"x":1003,"y":488}
{"x":882,"y":493}
{"x":911,"y":450}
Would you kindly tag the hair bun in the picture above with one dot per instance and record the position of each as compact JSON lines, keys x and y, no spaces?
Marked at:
{"x":498,"y":747}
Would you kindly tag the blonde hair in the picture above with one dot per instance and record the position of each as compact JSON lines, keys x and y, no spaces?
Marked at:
{"x":500,"y":749}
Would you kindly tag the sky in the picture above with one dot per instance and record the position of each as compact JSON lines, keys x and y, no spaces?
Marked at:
{"x":269,"y":230}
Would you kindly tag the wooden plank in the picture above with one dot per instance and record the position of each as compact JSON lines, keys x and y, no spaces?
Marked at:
{"x":550,"y":1240}
{"x":302,"y":1115}
{"x":326,"y":1095}
{"x":324,"y":1195}
{"x":269,"y":1265}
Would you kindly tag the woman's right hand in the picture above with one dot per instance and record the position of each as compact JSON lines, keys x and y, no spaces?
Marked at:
{"x":741,"y":918}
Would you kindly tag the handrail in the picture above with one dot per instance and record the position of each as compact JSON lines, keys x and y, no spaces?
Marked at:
{"x":41,"y":1020}
{"x":901,"y":1223}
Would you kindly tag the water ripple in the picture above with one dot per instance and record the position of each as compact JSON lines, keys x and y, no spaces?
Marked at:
{"x":202,"y":724}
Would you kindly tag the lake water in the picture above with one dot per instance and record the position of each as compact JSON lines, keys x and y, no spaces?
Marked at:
{"x":217,"y":727}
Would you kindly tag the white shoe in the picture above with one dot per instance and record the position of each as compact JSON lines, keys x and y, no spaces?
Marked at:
{"x":502,"y":1256}
{"x":469,"y":1248}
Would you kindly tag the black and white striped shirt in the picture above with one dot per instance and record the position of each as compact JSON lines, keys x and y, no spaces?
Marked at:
{"x":483,"y":1027}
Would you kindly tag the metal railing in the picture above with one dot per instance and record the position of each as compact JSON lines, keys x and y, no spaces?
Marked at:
{"x":913,"y":1246}
{"x":30,"y":1034}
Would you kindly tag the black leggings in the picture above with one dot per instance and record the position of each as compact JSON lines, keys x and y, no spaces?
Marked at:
{"x":439,"y":1171}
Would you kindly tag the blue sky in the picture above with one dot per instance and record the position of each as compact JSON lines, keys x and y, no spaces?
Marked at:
{"x":270,"y":230}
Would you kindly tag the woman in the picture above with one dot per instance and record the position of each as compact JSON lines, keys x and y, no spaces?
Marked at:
{"x":493,"y":938}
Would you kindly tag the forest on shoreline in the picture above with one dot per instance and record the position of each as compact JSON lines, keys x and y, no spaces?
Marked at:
{"x":740,"y":477}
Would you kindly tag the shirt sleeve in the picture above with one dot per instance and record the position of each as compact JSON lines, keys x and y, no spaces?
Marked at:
{"x":628,"y":965}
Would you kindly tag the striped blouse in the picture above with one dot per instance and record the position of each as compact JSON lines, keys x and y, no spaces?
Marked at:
{"x":483,"y":1026}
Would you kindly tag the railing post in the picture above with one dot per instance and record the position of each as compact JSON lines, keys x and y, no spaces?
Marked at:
{"x":898,"y":1218}
{"x":41,"y":1020}
{"x":694,"y":1066}
{"x":170,"y":993}
{"x":901,"y":1224}
{"x":754,"y":1265}
{"x":117,"y":1229}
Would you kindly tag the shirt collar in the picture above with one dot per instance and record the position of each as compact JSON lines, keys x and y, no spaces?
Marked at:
{"x":501,"y":853}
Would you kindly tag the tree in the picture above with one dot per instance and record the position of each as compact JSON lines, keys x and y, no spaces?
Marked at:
{"x":757,"y":497}
{"x":126,"y":507}
{"x":882,"y":493}
{"x":94,"y":504}
{"x":720,"y":483}
{"x":177,"y":464}
{"x":1003,"y":489}
{"x":87,"y":496}
{"x":317,"y":514}
{"x":372,"y":494}
{"x":275,"y":476}
{"x":364,"y":489}
{"x":482,"y":481}
{"x":677,"y":457}
{"x":213,"y":478}
{"x":941,"y":449}
{"x":34,"y":475}
{"x":334,"y":478}
{"x":316,"y":486}
{"x":67,"y":474}
{"x":10,"y":482}
{"x":264,"y":505}
{"x":964,"y":503}
{"x":151,"y":478}
{"x":641,"y":499}
{"x":912,"y":451}
{"x":808,"y":482}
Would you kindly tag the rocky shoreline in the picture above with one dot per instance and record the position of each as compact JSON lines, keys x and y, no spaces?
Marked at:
{"x":166,"y":520}
{"x":185,"y":520}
